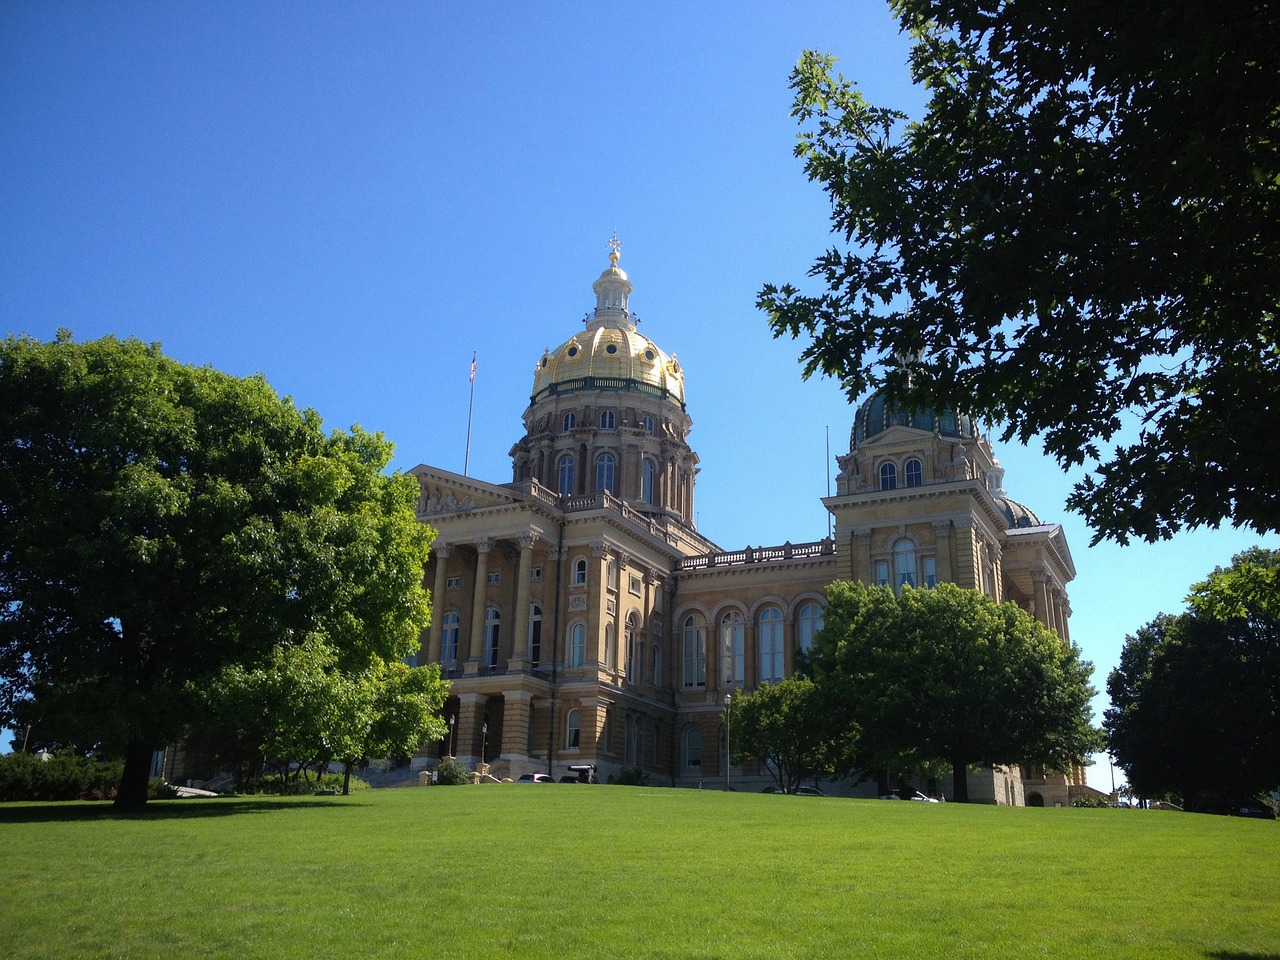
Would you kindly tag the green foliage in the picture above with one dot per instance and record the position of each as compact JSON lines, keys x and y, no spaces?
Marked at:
{"x":160,"y":524}
{"x":1195,"y":699}
{"x":302,"y":786}
{"x":451,"y":773}
{"x":949,"y":675}
{"x":784,"y":726}
{"x":1091,"y":803}
{"x":632,"y":777}
{"x":63,"y":776}
{"x":1078,"y":236}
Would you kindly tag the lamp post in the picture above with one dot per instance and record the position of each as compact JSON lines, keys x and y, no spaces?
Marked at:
{"x":453,"y":734}
{"x":484,"y":740}
{"x":728,"y":714}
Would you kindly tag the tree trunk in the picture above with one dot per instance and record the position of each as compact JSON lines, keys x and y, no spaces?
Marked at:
{"x":346,"y":778}
{"x":960,"y":780}
{"x":131,"y":794}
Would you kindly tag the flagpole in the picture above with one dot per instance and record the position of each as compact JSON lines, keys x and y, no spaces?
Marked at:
{"x":471,"y":405}
{"x":827,"y":471}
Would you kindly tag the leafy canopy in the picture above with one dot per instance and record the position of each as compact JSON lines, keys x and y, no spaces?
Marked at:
{"x":1195,"y":699}
{"x":783,"y":726}
{"x":1079,"y":240}
{"x":947,"y":675}
{"x":160,"y":523}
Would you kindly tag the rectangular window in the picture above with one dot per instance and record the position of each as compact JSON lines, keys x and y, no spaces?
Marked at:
{"x":633,"y":584}
{"x":453,"y":583}
{"x":495,"y":578}
{"x":930,"y":572}
{"x":535,"y":574}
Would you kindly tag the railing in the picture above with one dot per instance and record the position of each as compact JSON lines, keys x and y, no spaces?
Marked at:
{"x":788,"y":551}
{"x":606,"y":383}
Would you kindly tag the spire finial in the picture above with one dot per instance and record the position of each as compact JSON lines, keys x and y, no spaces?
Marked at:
{"x":615,"y":248}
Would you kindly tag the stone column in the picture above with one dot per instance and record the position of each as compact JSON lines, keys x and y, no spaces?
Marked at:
{"x":942,"y":556}
{"x":475,"y":639}
{"x":596,"y":593}
{"x":520,"y":628}
{"x":515,"y":724}
{"x":1043,"y":613}
{"x":468,"y":729}
{"x":436,"y":630}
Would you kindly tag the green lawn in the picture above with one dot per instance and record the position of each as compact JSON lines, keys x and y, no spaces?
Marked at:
{"x":576,"y":871}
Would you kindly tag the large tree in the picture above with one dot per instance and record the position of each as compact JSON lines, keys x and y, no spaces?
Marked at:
{"x":947,"y":675}
{"x":1195,"y":699}
{"x":1079,"y":240}
{"x":161,"y":522}
{"x":783,"y":725}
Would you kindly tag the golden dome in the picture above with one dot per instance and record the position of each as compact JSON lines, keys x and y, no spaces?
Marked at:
{"x":610,"y":354}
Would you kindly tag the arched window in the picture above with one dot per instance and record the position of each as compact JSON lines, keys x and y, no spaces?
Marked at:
{"x":535,"y":634}
{"x":492,"y":616}
{"x":904,"y":563}
{"x":770,"y":631}
{"x":888,"y":476}
{"x":565,"y":474}
{"x":606,"y":466}
{"x":635,"y":648}
{"x":610,"y":647}
{"x":914,"y":472}
{"x":808,"y":623}
{"x":646,"y":423}
{"x":695,"y":652}
{"x":647,"y":471}
{"x":577,"y":645}
{"x":607,"y":420}
{"x":572,"y":730}
{"x":570,"y":421}
{"x":732,"y":648}
{"x":580,"y":571}
{"x":449,"y":637}
{"x":692,"y":749}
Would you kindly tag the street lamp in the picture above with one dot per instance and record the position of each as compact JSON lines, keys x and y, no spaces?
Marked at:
{"x":728,"y":713}
{"x":484,"y":740}
{"x":453,"y":734}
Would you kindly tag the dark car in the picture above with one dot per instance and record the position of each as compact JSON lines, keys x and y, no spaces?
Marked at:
{"x":1254,"y":808}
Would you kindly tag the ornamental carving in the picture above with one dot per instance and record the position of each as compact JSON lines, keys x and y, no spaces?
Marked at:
{"x":445,"y":502}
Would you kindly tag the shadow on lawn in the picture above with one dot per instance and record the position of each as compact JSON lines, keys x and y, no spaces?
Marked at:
{"x":1240,"y":955}
{"x":157,"y":810}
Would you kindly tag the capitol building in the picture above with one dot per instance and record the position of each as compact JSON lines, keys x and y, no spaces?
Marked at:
{"x":583,"y":619}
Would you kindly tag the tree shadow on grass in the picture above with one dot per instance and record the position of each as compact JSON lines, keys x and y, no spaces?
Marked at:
{"x":159,"y":809}
{"x":1240,"y":955}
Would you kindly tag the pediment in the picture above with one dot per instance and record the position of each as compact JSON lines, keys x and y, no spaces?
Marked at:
{"x":445,"y":492}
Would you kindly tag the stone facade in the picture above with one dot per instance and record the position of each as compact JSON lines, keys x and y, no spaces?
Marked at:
{"x":583,"y":618}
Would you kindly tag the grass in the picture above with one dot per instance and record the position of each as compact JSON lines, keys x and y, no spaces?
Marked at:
{"x":570,"y":871}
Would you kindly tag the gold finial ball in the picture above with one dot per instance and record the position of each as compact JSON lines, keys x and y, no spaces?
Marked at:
{"x":615,"y":248}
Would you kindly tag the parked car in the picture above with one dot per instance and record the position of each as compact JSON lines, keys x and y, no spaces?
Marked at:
{"x":924,"y":799}
{"x":1255,"y":808}
{"x":535,"y":778}
{"x":800,"y":791}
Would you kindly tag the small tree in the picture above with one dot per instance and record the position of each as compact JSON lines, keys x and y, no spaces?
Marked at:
{"x":782,"y":725}
{"x":947,"y":674}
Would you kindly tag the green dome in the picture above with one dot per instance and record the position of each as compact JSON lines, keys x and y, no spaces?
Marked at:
{"x":876,"y":415}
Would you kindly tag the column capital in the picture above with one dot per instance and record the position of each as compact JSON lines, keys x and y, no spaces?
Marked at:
{"x":442,"y":550}
{"x":527,"y":540}
{"x":483,"y":544}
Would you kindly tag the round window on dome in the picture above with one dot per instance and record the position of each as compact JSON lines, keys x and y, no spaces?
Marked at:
{"x":648,"y":354}
{"x":611,"y":348}
{"x":573,"y":351}
{"x":544,"y":362}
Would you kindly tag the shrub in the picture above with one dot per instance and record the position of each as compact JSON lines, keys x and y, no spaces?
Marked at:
{"x":62,"y":776}
{"x":451,"y":773}
{"x":300,"y":787}
{"x":632,"y":777}
{"x":1090,"y":802}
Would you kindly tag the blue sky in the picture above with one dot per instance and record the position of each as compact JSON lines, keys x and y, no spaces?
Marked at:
{"x":350,"y":199}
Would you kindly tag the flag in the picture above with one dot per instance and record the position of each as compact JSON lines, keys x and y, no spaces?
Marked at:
{"x":472,"y":378}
